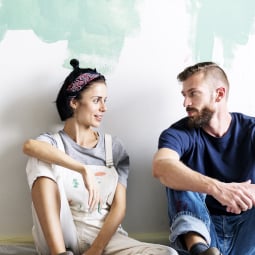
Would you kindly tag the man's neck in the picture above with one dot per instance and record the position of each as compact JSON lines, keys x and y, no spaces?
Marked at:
{"x":218,"y":125}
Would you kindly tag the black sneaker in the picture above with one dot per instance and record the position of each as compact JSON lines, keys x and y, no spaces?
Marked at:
{"x":211,"y":251}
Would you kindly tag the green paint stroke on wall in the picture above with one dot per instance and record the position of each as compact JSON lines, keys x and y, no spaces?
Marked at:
{"x":91,"y":27}
{"x":231,"y":21}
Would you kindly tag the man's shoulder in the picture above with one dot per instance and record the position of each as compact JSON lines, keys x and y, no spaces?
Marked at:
{"x":242,"y":118}
{"x":181,"y":124}
{"x":180,"y":128}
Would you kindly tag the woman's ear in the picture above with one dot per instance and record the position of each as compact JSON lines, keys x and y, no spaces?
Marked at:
{"x":73,"y":103}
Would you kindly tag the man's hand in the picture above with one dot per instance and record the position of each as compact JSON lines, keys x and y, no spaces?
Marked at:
{"x":237,"y":197}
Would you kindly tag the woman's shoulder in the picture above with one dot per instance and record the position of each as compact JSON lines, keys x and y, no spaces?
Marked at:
{"x":114,"y":138}
{"x":117,"y":142}
{"x":48,"y":137}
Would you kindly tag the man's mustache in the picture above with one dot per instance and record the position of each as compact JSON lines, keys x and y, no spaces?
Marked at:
{"x":188,"y":109}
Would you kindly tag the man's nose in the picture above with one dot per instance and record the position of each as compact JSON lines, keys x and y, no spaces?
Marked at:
{"x":186,"y":102}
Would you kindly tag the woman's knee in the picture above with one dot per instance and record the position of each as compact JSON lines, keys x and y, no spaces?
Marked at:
{"x":45,"y":189}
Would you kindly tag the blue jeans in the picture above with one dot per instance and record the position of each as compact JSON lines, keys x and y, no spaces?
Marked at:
{"x":232,"y":235}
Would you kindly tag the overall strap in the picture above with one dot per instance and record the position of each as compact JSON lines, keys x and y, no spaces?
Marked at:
{"x":108,"y":150}
{"x":59,"y":141}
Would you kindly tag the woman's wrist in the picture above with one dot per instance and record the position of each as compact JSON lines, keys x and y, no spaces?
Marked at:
{"x":82,"y":169}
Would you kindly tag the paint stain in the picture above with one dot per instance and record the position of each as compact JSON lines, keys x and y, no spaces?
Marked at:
{"x":91,"y":28}
{"x":100,"y":173}
{"x":232,"y":22}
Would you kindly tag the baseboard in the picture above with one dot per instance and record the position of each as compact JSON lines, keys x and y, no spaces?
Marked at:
{"x":27,"y":240}
{"x":150,"y":237}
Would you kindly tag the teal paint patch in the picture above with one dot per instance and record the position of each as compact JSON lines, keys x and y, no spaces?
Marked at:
{"x":231,"y":21}
{"x":75,"y":183}
{"x":91,"y":27}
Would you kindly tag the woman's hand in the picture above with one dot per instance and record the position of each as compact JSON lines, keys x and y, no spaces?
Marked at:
{"x":94,"y":200}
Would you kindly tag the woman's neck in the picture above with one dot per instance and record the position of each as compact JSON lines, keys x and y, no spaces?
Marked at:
{"x":84,"y":136}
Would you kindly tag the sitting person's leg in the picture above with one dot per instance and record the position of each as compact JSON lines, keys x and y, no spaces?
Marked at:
{"x":46,"y":201}
{"x":190,"y":222}
{"x":124,"y":245}
{"x":53,"y":228}
{"x":120,"y":242}
{"x":236,"y":233}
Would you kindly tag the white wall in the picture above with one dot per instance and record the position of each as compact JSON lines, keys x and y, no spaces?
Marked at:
{"x":144,"y":99}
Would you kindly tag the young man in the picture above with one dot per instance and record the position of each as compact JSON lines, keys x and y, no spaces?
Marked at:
{"x":207,"y":163}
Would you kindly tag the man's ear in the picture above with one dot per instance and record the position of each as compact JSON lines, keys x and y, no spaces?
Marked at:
{"x":221,"y":92}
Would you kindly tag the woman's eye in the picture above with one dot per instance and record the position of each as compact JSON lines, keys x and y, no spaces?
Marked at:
{"x":96,"y":100}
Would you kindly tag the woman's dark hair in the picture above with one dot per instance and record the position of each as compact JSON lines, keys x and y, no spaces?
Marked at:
{"x":77,"y":81}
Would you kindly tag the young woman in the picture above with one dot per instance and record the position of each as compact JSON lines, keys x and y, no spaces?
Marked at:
{"x":78,"y":177}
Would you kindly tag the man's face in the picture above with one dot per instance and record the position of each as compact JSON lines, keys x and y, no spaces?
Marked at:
{"x":198,"y":100}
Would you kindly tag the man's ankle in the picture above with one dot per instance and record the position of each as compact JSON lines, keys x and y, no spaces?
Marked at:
{"x":192,"y":238}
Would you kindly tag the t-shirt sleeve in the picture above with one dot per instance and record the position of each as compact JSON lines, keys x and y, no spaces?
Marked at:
{"x":47,"y":137}
{"x":121,"y":161}
{"x":173,"y":139}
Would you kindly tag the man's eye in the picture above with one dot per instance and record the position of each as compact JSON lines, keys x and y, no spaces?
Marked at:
{"x":193,"y":93}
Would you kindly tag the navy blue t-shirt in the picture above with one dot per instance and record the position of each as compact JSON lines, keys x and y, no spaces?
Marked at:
{"x":230,"y":158}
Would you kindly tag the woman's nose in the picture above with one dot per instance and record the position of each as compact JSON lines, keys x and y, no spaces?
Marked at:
{"x":103,"y":107}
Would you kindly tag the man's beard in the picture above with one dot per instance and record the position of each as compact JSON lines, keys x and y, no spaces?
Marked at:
{"x":202,"y":119}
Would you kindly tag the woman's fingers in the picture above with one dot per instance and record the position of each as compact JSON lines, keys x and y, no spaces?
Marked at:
{"x":94,"y":199}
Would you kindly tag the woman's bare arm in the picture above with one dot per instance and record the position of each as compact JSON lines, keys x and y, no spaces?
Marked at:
{"x":46,"y":152}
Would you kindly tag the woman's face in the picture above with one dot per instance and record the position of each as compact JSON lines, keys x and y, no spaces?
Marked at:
{"x":90,"y":108}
